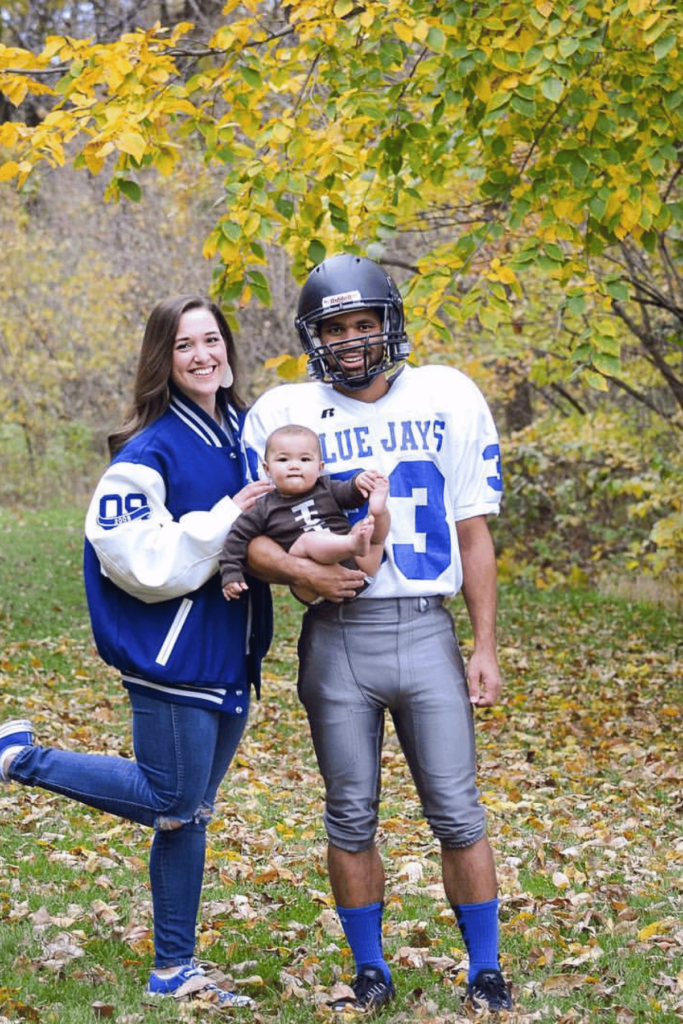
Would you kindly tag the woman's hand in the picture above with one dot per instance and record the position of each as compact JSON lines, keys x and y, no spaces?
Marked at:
{"x":245,"y":498}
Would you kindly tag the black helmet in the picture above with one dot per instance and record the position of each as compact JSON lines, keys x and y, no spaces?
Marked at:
{"x":341,"y":284}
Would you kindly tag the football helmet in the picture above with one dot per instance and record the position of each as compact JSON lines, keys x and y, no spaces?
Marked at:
{"x":341,"y":284}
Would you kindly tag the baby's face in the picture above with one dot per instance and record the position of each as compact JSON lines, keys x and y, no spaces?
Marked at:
{"x":294,"y":464}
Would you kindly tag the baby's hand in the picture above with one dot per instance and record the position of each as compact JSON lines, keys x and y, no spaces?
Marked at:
{"x":370,"y":479}
{"x":231,"y":591}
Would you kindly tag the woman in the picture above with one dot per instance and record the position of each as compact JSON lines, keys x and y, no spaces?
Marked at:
{"x":187,"y":657}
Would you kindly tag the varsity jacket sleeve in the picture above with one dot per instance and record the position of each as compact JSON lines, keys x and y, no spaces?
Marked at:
{"x":233,"y":558}
{"x":140,"y":547}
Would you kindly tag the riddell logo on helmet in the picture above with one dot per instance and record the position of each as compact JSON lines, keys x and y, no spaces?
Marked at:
{"x":341,"y":300}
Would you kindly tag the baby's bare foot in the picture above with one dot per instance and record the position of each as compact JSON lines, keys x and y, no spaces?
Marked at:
{"x":377,"y":500}
{"x":362,"y":532}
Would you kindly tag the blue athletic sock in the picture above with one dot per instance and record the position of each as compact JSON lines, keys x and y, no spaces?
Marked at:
{"x":478,"y":923}
{"x":363,"y":930}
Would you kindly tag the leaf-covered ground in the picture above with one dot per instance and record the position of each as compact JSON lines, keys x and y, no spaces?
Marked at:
{"x":580,"y":769}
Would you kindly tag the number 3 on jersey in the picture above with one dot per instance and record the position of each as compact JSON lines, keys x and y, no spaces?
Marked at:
{"x":424,"y":485}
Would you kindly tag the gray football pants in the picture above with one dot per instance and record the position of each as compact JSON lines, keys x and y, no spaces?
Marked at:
{"x":358,"y":660}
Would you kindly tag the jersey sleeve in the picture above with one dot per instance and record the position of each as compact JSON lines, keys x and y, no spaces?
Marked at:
{"x":477,"y":481}
{"x":144,"y":551}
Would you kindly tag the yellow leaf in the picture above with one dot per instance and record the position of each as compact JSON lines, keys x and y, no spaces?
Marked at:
{"x":15,"y":88}
{"x":507,"y":275}
{"x":403,"y":32}
{"x":53,"y":45}
{"x":276,"y":361}
{"x":567,"y":209}
{"x":132,"y":143}
{"x":280,"y":133}
{"x":165,"y":161}
{"x":650,"y":20}
{"x":655,"y":928}
{"x":289,"y":367}
{"x":93,"y":159}
{"x":483,"y":89}
{"x":9,"y":170}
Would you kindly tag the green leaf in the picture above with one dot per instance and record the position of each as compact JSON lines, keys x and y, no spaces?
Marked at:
{"x":664,"y":46}
{"x":568,"y":46}
{"x":417,"y":130}
{"x":606,"y":363}
{"x":554,"y":252}
{"x":437,"y":112}
{"x":618,"y":290}
{"x":130,"y":189}
{"x":498,"y":100}
{"x":316,"y":252}
{"x":252,"y":77}
{"x":232,"y":291}
{"x":522,"y":106}
{"x":257,"y":279}
{"x":232,"y":231}
{"x":284,"y":206}
{"x":597,"y":206}
{"x":552,"y":89}
{"x":579,"y":169}
{"x":436,"y":39}
{"x":576,"y":304}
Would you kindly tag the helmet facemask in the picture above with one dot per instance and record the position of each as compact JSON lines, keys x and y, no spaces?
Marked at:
{"x":342,"y":284}
{"x":325,"y":359}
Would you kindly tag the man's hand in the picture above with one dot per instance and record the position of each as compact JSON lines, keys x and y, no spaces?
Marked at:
{"x":332,"y":582}
{"x":483,"y":679}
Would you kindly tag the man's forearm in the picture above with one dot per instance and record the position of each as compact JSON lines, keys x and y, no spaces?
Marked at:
{"x":479,"y":581}
{"x":271,"y":563}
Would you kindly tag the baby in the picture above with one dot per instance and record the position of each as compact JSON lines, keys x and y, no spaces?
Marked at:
{"x":304,"y":513}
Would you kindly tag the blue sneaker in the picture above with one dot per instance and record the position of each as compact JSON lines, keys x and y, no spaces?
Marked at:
{"x":14,"y":736}
{"x":191,"y":980}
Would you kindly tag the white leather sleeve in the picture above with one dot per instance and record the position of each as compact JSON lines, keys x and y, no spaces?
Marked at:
{"x":140,"y":547}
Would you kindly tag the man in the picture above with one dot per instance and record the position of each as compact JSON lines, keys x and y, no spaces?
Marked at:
{"x":430,"y":431}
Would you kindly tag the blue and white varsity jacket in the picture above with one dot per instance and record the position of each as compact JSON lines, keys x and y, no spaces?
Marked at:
{"x":154,"y":531}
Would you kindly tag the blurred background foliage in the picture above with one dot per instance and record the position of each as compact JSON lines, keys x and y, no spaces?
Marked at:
{"x":586,"y":381}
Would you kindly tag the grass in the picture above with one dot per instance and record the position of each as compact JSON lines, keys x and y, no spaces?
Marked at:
{"x":579,"y":769}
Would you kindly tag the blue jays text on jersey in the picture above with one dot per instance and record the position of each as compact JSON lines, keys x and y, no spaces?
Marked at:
{"x":353,"y":443}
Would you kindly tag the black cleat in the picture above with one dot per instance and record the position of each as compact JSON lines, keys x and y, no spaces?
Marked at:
{"x":489,"y":991}
{"x":372,"y":992}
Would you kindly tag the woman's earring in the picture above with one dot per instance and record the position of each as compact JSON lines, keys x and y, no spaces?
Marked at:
{"x":228,"y":377}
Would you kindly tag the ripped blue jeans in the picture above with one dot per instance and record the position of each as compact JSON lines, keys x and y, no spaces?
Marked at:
{"x":182,"y":754}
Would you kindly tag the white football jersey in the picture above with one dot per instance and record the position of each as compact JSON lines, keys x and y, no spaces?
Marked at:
{"x":432,"y":435}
